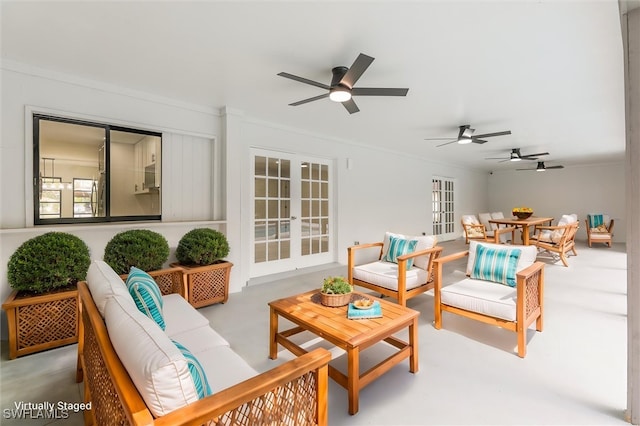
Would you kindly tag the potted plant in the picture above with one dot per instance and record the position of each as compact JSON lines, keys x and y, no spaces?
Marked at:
{"x":42,"y":310}
{"x":201,"y":253}
{"x":146,"y":250}
{"x":335,"y":291}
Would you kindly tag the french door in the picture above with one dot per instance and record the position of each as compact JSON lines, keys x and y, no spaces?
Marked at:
{"x":292,"y":218}
{"x":442,"y":207}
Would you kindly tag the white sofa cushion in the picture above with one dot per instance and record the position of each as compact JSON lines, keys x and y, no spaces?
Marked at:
{"x":200,"y":339}
{"x":224,"y":367}
{"x":180,"y":316}
{"x":424,"y":242}
{"x":528,"y":254}
{"x":385,"y":274}
{"x":104,"y":282}
{"x":154,"y":363}
{"x":485,"y":297}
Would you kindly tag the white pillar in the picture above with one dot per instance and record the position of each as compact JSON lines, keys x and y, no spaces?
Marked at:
{"x":630,"y":20}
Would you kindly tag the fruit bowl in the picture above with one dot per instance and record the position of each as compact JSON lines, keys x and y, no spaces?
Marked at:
{"x":363,"y":303}
{"x":522,"y":215}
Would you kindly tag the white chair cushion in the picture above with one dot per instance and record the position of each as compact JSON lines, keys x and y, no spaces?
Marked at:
{"x":600,"y":236}
{"x":424,"y":242}
{"x":567,"y":219}
{"x":156,"y":366}
{"x":104,"y":282}
{"x":385,"y":274}
{"x":470,"y":219}
{"x":180,"y":316}
{"x":527,"y":256}
{"x":484,"y":297}
{"x":484,"y":219}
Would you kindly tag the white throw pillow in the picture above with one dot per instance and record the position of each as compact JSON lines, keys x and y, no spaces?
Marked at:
{"x":156,"y":366}
{"x":527,"y":256}
{"x":104,"y":282}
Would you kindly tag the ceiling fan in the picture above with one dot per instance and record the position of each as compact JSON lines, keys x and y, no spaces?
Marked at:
{"x":465,"y":136}
{"x":341,"y":88}
{"x":517,"y":156}
{"x":541,"y":167}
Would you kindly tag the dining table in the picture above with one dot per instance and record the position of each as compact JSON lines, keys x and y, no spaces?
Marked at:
{"x":523,"y":224}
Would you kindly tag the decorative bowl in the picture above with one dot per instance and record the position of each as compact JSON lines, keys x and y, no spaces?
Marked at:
{"x":522,"y":215}
{"x":363,"y":303}
{"x":335,"y":300}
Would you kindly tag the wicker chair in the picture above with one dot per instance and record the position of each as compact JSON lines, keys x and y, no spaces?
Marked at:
{"x":411,"y":276}
{"x":559,"y":239}
{"x":599,"y":229}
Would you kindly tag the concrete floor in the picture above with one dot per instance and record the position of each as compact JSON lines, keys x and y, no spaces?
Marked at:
{"x":470,"y":374}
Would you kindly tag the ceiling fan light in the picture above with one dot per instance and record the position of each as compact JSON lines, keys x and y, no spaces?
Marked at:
{"x":339,"y":94}
{"x":464,"y":140}
{"x":515,"y":157}
{"x":541,"y":167}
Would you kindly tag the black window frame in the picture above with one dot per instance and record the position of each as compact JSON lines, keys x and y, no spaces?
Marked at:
{"x":108,"y":218}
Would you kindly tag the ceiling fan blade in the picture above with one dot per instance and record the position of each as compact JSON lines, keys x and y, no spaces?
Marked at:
{"x":351,"y":106}
{"x":555,"y":167}
{"x":315,"y":98}
{"x":528,"y":156}
{"x":378,"y":91}
{"x":443,"y":144}
{"x":489,"y":135}
{"x":475,"y":140}
{"x":497,"y":158}
{"x":437,"y":139}
{"x":304,"y":80}
{"x":359,"y":66}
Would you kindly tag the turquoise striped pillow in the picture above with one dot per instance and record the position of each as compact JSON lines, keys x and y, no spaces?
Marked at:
{"x":197,"y":372}
{"x":146,"y":293}
{"x":399,"y":247}
{"x":496,"y":264}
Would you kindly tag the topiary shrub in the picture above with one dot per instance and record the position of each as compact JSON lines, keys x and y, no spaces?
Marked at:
{"x":202,"y":246}
{"x":48,"y":261}
{"x":142,"y":248}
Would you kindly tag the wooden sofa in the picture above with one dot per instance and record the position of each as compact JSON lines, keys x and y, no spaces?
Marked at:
{"x":293,"y":393}
{"x":514,"y":309}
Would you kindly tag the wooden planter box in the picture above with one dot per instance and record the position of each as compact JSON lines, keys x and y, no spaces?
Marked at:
{"x":38,"y":323}
{"x":208,"y":284}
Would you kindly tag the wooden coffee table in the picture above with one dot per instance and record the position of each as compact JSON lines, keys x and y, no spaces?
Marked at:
{"x":353,"y":336}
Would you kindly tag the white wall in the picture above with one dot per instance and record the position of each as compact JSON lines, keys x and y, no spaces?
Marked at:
{"x":579,"y":189}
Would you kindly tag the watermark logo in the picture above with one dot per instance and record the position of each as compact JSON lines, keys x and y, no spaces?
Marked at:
{"x":23,"y":410}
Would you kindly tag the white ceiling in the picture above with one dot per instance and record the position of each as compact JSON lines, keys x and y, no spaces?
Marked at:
{"x":549,"y":71}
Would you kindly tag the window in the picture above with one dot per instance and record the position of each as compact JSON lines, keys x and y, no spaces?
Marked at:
{"x":93,"y":172}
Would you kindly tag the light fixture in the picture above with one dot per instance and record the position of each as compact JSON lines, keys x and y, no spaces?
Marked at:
{"x":541,"y":167}
{"x":465,"y":136}
{"x":339,"y":94}
{"x":515,"y":157}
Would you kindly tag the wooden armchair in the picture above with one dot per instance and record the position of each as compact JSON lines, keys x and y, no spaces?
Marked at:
{"x":512,"y":308}
{"x":475,"y":230}
{"x":410,"y":275}
{"x":599,"y":229}
{"x":559,"y":239}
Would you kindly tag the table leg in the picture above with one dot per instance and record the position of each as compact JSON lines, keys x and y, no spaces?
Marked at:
{"x":273,"y":331}
{"x":525,"y":235}
{"x":413,"y":343}
{"x":353,"y":378}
